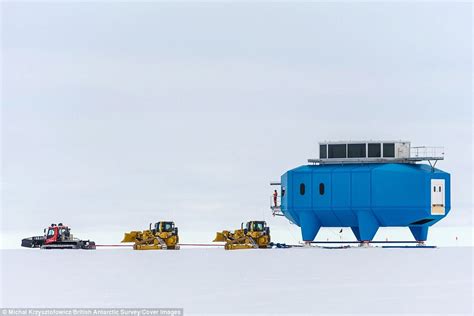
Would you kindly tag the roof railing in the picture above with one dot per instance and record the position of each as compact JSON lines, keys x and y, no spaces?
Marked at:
{"x":427,"y":153}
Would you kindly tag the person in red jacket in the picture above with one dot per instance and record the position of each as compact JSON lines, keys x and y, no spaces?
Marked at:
{"x":275,"y":198}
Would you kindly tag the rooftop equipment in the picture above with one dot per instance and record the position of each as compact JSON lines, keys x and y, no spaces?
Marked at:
{"x":343,"y":152}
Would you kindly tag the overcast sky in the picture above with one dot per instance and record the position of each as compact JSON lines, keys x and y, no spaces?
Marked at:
{"x":118,"y":114}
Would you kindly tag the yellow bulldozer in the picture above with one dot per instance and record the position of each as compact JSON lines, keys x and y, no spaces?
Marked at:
{"x":256,"y":234}
{"x":163,"y":235}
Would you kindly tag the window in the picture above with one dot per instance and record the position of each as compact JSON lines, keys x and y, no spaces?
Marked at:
{"x":439,"y":189}
{"x":283,"y":191}
{"x":434,"y":189}
{"x":258,"y":226}
{"x":374,"y":151}
{"x":323,"y":151}
{"x":302,"y":188}
{"x":337,"y":151}
{"x":389,"y":150}
{"x":166,"y":226}
{"x":248,"y":225}
{"x":356,"y":150}
{"x":321,"y":188}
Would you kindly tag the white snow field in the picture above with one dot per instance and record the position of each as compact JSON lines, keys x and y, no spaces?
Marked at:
{"x":214,"y":281}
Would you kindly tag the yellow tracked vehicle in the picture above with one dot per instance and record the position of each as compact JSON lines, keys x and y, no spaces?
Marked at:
{"x":256,"y":234}
{"x":162,"y":236}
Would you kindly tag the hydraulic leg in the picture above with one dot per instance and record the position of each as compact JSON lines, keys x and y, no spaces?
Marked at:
{"x":310,"y":226}
{"x":420,"y":233}
{"x":368,"y":226}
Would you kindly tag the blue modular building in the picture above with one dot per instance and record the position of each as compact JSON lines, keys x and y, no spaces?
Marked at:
{"x":364,"y":186}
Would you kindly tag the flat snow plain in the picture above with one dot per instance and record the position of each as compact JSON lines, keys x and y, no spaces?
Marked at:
{"x":214,"y":281}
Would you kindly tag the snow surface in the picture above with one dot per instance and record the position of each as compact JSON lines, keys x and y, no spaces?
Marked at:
{"x":211,"y":280}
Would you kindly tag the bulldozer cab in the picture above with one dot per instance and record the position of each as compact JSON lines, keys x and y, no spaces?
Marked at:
{"x":162,"y":227}
{"x":256,"y":226}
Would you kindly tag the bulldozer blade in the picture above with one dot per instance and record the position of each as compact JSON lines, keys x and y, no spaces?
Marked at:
{"x":130,"y":237}
{"x":220,"y":237}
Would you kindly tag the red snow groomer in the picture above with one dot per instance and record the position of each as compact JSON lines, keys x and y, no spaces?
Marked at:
{"x":57,"y":237}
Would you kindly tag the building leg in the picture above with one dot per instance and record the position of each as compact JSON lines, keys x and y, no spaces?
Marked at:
{"x":310,"y":226}
{"x":368,"y":225}
{"x":420,"y":233}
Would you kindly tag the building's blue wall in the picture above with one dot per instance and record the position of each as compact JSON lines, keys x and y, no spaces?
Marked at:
{"x":362,"y":196}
